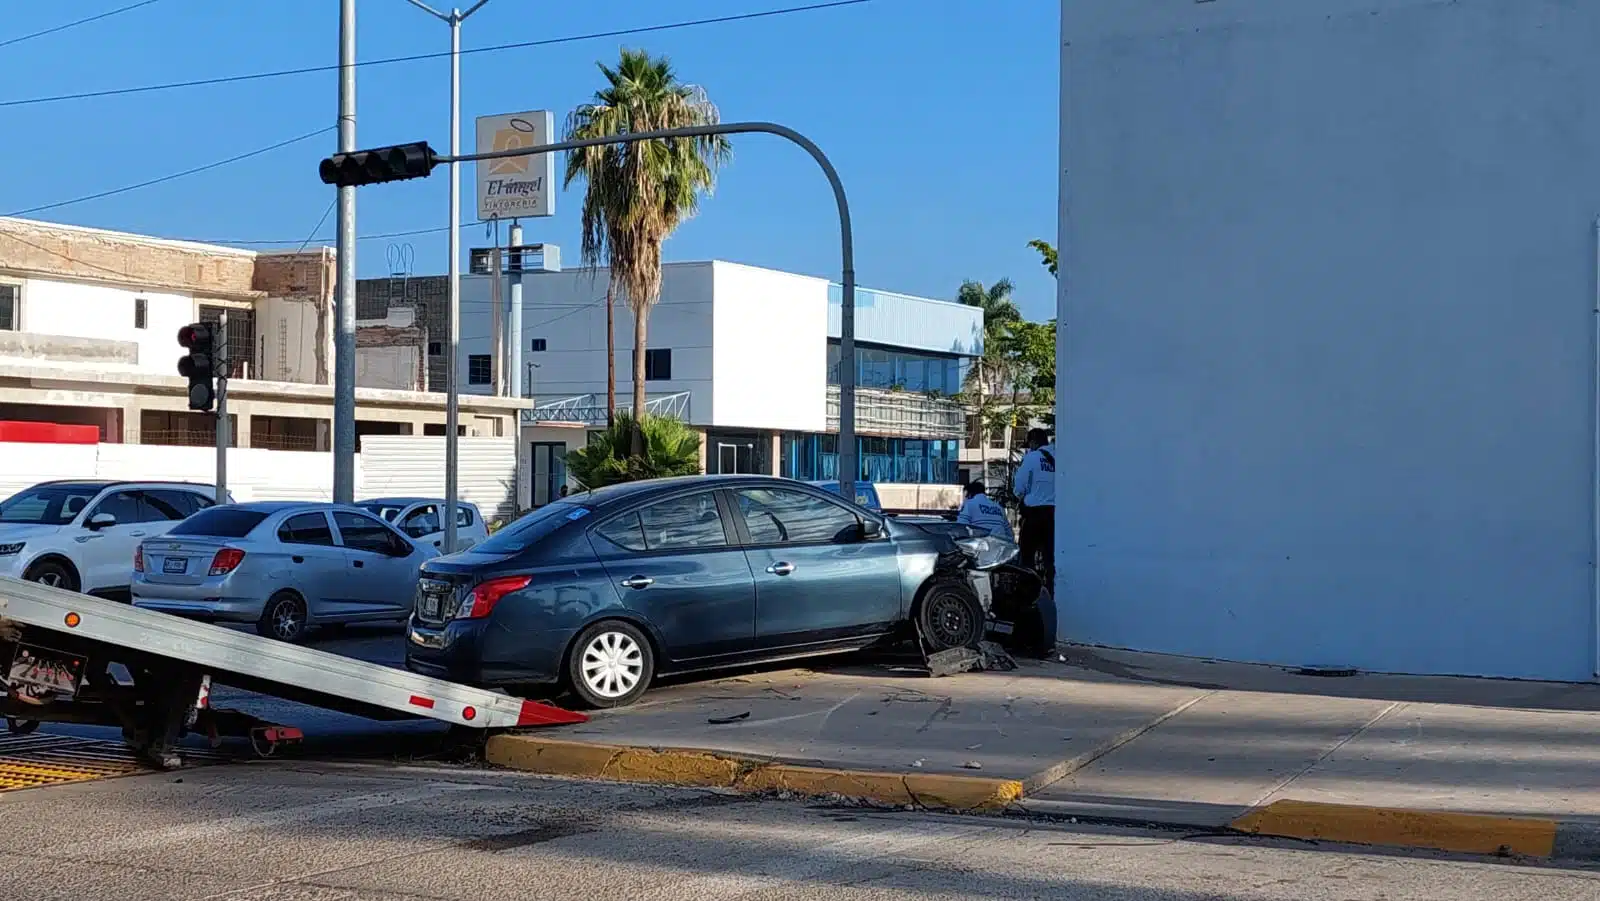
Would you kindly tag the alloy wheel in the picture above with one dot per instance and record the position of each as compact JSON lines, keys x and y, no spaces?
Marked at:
{"x":612,"y":664}
{"x":286,"y":619}
{"x":52,"y":579}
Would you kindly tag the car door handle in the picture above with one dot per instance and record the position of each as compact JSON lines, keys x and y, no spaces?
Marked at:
{"x":297,"y":559}
{"x":137,"y":534}
{"x":359,"y":563}
{"x":781,"y":569}
{"x":638,"y":582}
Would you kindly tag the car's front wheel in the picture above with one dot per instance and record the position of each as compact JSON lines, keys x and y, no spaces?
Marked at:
{"x":611,"y":665}
{"x":950,"y":616}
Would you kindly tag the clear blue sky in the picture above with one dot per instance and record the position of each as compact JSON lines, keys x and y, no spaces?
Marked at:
{"x":941,"y":116}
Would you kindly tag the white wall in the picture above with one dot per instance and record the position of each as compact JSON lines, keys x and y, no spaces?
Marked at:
{"x":770,"y":351}
{"x":286,"y":335}
{"x":1327,"y":364}
{"x":82,"y":310}
{"x":396,"y":367}
{"x":567,"y":310}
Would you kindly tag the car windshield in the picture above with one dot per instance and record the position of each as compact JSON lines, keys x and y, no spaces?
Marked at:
{"x":49,"y":505}
{"x":385,"y":512}
{"x":531,"y":528}
{"x":220,"y":522}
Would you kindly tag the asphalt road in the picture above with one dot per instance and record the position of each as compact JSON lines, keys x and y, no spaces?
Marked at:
{"x":363,"y":832}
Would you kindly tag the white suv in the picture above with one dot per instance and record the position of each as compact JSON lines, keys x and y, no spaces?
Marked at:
{"x":81,"y":534}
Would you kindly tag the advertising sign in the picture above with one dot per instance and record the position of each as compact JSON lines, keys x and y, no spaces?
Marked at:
{"x":517,"y":187}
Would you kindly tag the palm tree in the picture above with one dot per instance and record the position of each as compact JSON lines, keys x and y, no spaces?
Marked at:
{"x":669,"y":448}
{"x":999,"y":313}
{"x":637,"y":194}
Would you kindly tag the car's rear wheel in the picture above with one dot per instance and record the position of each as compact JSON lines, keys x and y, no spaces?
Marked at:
{"x":610,"y":665}
{"x":950,"y":616}
{"x":283,"y":618}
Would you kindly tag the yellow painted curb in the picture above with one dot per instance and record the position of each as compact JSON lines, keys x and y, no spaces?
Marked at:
{"x":1461,"y":832}
{"x":712,"y":769}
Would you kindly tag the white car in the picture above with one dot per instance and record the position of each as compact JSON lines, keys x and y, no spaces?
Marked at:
{"x":81,"y":534}
{"x":419,"y":518}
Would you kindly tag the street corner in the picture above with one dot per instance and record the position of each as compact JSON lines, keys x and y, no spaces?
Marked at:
{"x":688,"y":767}
{"x":1393,"y":827}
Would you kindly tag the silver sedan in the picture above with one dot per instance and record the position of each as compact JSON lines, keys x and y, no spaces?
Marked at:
{"x":282,"y":566}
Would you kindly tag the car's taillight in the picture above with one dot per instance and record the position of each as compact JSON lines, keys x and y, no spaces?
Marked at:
{"x":138,"y":559}
{"x":226,"y":561}
{"x":483,"y":598}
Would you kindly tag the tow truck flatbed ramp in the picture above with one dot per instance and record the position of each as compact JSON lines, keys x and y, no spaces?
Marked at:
{"x":105,"y":631}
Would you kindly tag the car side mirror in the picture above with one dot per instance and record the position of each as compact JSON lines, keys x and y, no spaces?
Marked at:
{"x":101,"y":520}
{"x":870,"y":529}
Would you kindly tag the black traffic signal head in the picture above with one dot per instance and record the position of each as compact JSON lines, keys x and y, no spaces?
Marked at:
{"x":371,"y":167}
{"x":199,"y":365}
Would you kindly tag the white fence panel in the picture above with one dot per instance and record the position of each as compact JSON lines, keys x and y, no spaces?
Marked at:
{"x":24,"y":464}
{"x":253,"y":474}
{"x":402,"y":465}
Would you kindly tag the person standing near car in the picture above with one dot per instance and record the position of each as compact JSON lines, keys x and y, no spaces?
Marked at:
{"x":1035,"y":487}
{"x":981,"y":512}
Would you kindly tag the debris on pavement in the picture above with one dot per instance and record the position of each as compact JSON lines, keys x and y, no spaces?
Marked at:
{"x":987,"y":656}
{"x":725,"y":720}
{"x":972,"y":765}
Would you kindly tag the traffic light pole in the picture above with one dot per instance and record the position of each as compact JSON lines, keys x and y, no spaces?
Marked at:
{"x":344,"y":301}
{"x":224,"y":434}
{"x":849,"y":467}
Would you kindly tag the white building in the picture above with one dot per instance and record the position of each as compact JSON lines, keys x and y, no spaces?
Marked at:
{"x":749,"y":356}
{"x":1328,"y":361}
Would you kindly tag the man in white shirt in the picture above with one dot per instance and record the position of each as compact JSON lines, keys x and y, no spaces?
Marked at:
{"x":981,"y":512}
{"x":1035,"y":486}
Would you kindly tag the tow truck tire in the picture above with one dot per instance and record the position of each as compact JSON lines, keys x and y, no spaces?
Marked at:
{"x":283,"y":618}
{"x":610,"y":664}
{"x":950,"y":616}
{"x":53,"y":573}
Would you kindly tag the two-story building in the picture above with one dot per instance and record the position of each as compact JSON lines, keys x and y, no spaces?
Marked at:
{"x":748,"y":356}
{"x":88,"y":335}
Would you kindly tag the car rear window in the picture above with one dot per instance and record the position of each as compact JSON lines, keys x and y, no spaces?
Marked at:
{"x":220,"y":522}
{"x":528,"y":530}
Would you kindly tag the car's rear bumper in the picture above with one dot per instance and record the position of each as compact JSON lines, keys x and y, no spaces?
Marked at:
{"x":476,"y":652}
{"x":218,"y":609}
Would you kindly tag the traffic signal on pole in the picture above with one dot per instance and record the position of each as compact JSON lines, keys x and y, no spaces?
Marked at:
{"x":199,"y":366}
{"x":371,"y":167}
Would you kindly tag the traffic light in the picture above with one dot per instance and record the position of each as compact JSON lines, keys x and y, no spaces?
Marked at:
{"x":371,"y":167}
{"x":199,"y":366}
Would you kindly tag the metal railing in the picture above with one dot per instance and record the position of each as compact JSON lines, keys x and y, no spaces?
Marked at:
{"x":590,"y":409}
{"x":903,"y":414}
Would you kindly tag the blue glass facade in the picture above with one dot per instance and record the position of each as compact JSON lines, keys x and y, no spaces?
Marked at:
{"x":878,"y":367}
{"x":815,"y":458}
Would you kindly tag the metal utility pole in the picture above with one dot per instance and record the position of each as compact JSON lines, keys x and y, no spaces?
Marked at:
{"x":514,"y":318}
{"x":452,"y":379}
{"x":344,"y":303}
{"x":224,"y":359}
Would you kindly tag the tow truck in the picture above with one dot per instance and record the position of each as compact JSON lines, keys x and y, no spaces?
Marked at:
{"x":74,"y":658}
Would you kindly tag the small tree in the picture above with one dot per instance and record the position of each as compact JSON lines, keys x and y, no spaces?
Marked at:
{"x":670,"y":448}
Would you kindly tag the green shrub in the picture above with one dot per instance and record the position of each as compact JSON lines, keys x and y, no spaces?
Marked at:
{"x":670,"y":449}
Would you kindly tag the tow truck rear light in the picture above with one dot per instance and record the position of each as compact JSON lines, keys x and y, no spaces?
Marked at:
{"x":226,"y":561}
{"x":483,"y":598}
{"x":138,"y":559}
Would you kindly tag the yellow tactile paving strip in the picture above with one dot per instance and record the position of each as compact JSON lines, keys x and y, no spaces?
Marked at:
{"x":42,"y":759}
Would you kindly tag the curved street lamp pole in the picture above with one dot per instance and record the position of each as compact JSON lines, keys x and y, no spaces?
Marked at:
{"x":849,"y":468}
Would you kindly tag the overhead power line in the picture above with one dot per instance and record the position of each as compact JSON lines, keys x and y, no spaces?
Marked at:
{"x":419,"y":57}
{"x":84,"y":21}
{"x":176,"y":175}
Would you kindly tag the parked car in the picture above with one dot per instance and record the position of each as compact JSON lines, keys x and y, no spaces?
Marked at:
{"x":866,"y":494}
{"x":80,"y":534}
{"x":284,"y":566}
{"x":422,"y":519}
{"x":602,"y":591}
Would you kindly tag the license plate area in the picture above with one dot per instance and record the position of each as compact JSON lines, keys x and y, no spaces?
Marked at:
{"x":175,"y":565}
{"x":433,"y":599}
{"x":40,"y":675}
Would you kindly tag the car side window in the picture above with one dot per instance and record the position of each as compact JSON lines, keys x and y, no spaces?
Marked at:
{"x":780,"y":516}
{"x":170,"y":504}
{"x":125,"y":506}
{"x":422,"y":521}
{"x":306,"y":528}
{"x":625,"y":532}
{"x":691,"y":522}
{"x":464,"y":517}
{"x":363,"y":533}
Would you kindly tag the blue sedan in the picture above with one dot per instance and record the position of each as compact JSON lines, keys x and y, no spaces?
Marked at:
{"x":607,"y":589}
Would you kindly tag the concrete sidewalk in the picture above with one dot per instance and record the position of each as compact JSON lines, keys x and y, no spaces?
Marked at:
{"x":1471,"y":765}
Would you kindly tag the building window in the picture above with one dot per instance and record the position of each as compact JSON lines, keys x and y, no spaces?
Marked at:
{"x":435,"y":348}
{"x":241,"y":337}
{"x":479,"y":369}
{"x":9,"y":297}
{"x":141,"y":312}
{"x":538,"y":345}
{"x":658,"y":365}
